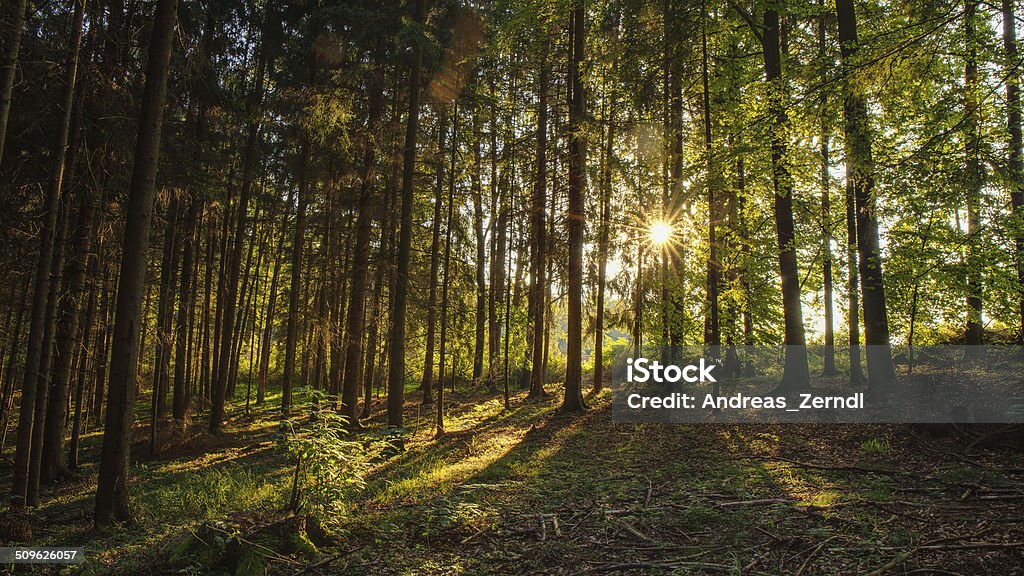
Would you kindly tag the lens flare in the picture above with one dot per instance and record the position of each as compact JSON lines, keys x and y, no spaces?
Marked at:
{"x":660,"y":233}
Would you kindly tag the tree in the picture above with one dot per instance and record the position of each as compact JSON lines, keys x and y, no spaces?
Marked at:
{"x":573,"y":400}
{"x":112,"y":488}
{"x":860,"y":175}
{"x":396,"y":367}
{"x":795,"y":377}
{"x":29,"y":429}
{"x":8,"y":66}
{"x":1015,"y":159}
{"x":538,"y":235}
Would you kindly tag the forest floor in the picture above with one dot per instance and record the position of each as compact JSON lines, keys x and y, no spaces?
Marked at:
{"x":525,"y":492}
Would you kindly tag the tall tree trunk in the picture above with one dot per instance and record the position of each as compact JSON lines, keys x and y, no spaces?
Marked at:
{"x":447,"y":277}
{"x":826,"y":208}
{"x":573,"y":401}
{"x":427,"y":384}
{"x":481,"y":251}
{"x":295,"y":286}
{"x":396,"y":368}
{"x":499,"y":245}
{"x":1016,"y":158}
{"x":254,"y":110}
{"x":974,"y":335}
{"x":607,"y":185}
{"x":795,"y":377}
{"x":182,"y":399}
{"x":112,"y":488}
{"x":15,"y":20}
{"x":538,"y":234}
{"x":53,"y":461}
{"x":36,"y":350}
{"x":860,"y":166}
{"x":360,"y":267}
{"x":712,"y":329}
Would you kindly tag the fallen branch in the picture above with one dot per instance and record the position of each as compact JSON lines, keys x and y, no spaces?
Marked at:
{"x":325,"y":562}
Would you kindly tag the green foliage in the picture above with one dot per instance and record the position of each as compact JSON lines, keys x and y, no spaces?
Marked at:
{"x":330,"y":465}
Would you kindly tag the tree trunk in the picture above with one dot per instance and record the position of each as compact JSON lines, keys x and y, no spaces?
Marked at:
{"x":826,"y":208}
{"x":447,"y":277}
{"x":396,"y":368}
{"x":53,"y":461}
{"x":974,"y":335}
{"x":795,"y":377}
{"x":607,"y":185}
{"x":15,"y":20}
{"x":538,"y":235}
{"x":481,"y":252}
{"x":427,"y":383}
{"x":254,"y":110}
{"x":1016,"y":159}
{"x":573,"y":401}
{"x":712,"y":332}
{"x":295,"y":286}
{"x":860,"y":173}
{"x":29,"y":435}
{"x":182,"y":399}
{"x":360,"y":264}
{"x":112,"y":488}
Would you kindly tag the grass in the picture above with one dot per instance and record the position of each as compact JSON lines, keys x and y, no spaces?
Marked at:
{"x":486,"y":496}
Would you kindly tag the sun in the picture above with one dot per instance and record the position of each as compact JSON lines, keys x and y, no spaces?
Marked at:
{"x":660,"y":233}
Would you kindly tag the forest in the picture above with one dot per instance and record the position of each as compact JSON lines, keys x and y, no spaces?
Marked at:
{"x":346,"y":286}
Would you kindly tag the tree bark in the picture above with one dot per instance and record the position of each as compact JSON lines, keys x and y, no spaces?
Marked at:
{"x":9,"y":65}
{"x":396,"y":368}
{"x":36,"y":350}
{"x":360,"y":265}
{"x":1016,"y":158}
{"x":829,"y":368}
{"x":112,"y":488}
{"x":573,"y":400}
{"x":538,"y":235}
{"x":860,"y":172}
{"x":795,"y":377}
{"x":974,"y":335}
{"x":427,"y":384}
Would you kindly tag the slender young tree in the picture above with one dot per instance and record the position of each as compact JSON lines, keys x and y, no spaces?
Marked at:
{"x":829,"y":368}
{"x":54,"y":463}
{"x":427,"y":383}
{"x":538,"y":235}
